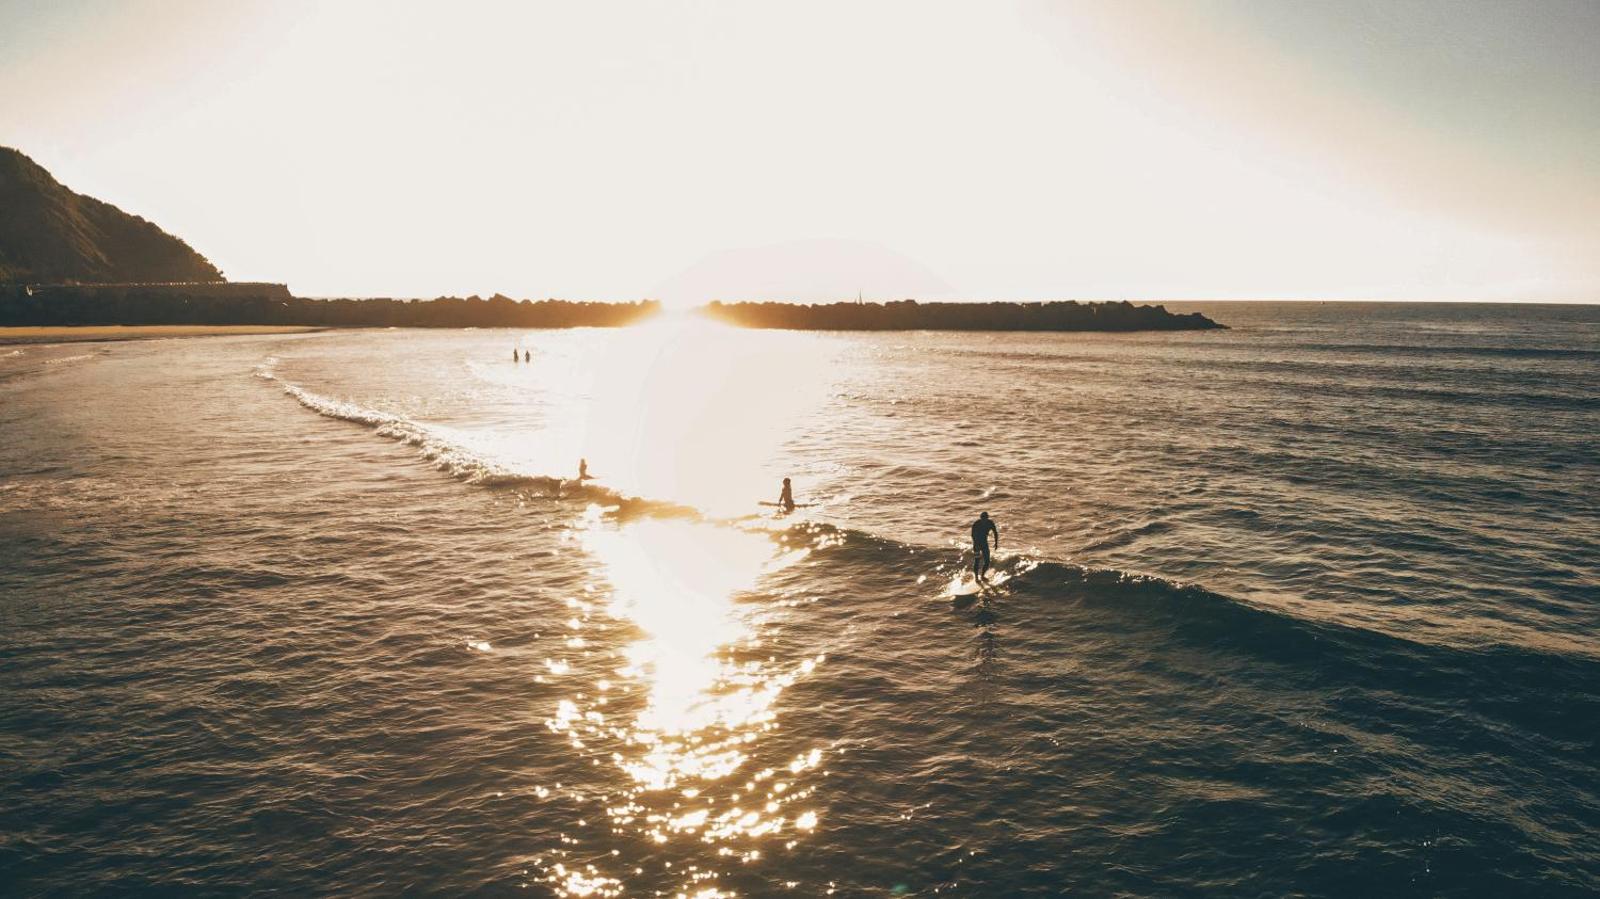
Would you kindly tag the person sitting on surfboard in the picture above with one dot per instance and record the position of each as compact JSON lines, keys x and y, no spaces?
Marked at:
{"x":786,"y":498}
{"x":981,"y":529}
{"x":583,"y":470}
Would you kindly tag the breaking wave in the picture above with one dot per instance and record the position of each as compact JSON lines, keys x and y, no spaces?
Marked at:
{"x":1155,"y":611}
{"x":1162,"y":609}
{"x":462,"y":462}
{"x":444,"y":454}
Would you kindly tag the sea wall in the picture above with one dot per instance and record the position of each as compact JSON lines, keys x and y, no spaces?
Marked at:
{"x":272,"y":304}
{"x":909,"y":315}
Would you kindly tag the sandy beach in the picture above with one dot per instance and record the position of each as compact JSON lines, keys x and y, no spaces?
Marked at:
{"x":87,"y":333}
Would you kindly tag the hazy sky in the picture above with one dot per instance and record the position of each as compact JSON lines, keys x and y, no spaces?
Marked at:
{"x":1116,"y":149}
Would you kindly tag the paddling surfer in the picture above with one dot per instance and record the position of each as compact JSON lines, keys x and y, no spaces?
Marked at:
{"x":981,"y":529}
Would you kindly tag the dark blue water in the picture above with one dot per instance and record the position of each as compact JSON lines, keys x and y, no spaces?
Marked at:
{"x":1307,"y":607}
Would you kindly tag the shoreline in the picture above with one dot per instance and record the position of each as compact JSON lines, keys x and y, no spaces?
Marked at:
{"x":29,"y":334}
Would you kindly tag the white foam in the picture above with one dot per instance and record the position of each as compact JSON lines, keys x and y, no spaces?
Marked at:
{"x":445,"y":454}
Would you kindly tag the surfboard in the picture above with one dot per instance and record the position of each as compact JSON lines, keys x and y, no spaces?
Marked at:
{"x":780,"y":505}
{"x":965,"y":600}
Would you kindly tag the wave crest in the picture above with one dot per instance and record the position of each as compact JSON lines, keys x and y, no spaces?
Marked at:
{"x":444,"y":454}
{"x":462,"y":462}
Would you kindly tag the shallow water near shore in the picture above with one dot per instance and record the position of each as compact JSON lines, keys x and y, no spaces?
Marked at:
{"x":1307,"y":607}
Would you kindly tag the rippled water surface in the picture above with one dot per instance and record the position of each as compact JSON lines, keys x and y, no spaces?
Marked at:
{"x":1307,"y":607}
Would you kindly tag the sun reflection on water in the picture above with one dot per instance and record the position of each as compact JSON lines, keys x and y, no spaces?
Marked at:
{"x":681,"y":409}
{"x":703,"y":688}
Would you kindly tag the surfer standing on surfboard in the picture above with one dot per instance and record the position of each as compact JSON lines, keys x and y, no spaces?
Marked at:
{"x":981,"y":529}
{"x":786,"y":497}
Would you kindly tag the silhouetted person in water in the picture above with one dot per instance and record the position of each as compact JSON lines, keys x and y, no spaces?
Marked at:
{"x":527,"y":355}
{"x":981,"y":529}
{"x":583,"y":470}
{"x":786,"y":498}
{"x":515,"y":356}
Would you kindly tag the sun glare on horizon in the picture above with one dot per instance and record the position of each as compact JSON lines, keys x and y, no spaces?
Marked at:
{"x":736,"y":151}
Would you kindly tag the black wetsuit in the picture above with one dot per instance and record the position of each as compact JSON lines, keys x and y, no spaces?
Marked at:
{"x":980,"y":544}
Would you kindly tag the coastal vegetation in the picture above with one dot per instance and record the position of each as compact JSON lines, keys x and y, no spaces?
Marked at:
{"x":272,"y":304}
{"x":50,"y":234}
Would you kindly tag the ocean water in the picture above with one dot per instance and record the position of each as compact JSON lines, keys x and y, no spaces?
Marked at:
{"x":1310,"y":607}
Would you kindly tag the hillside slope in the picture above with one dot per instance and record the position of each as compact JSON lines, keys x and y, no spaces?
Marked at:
{"x":49,"y":234}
